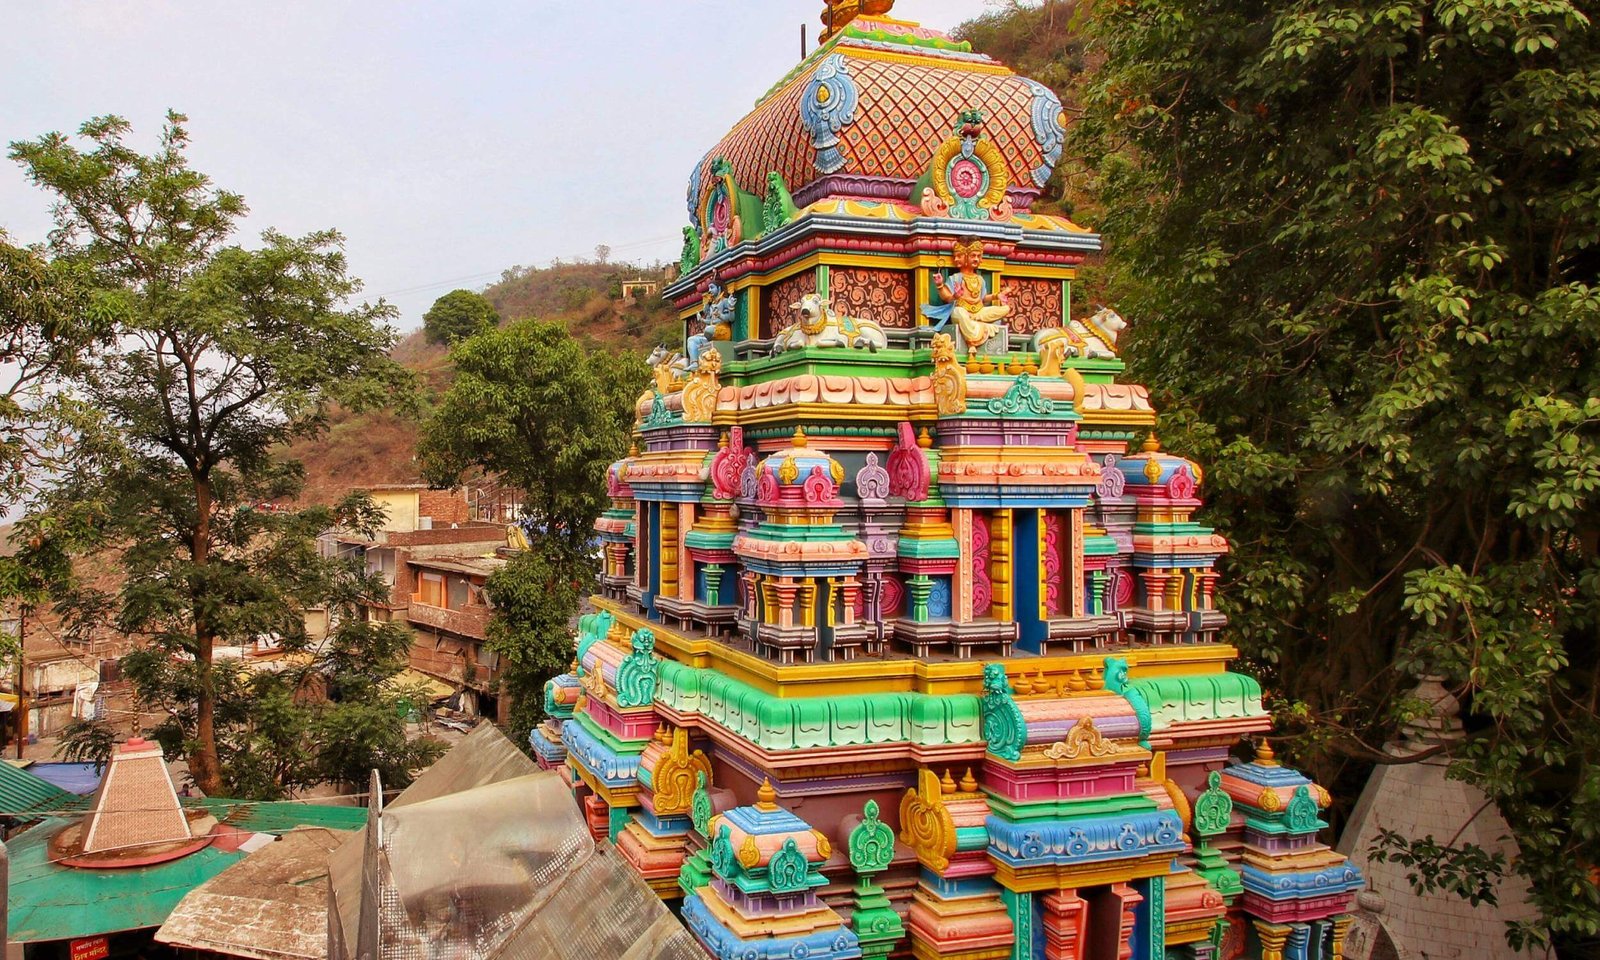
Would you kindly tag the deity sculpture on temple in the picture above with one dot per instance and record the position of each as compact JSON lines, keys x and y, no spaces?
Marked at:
{"x":976,"y":311}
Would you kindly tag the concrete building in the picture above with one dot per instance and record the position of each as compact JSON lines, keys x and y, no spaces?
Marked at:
{"x":435,"y":561}
{"x":1417,"y":800}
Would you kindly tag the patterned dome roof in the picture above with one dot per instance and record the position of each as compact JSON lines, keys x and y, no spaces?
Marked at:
{"x":873,"y":104}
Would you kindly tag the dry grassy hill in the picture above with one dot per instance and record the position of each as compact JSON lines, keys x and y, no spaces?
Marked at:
{"x":376,"y":448}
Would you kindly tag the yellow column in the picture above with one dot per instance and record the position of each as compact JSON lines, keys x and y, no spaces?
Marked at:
{"x":669,"y":550}
{"x":1273,"y":937}
{"x":1001,"y":565}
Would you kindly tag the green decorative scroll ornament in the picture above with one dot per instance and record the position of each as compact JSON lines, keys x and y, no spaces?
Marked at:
{"x":723,"y":860}
{"x":787,"y":871}
{"x":1213,"y":811}
{"x":592,"y":628}
{"x":700,"y":805}
{"x":690,"y":257}
{"x":778,"y":208}
{"x":1022,"y":398}
{"x":636,"y":675}
{"x":1117,"y":682}
{"x":1301,"y":814}
{"x":871,"y":842}
{"x":1003,"y":726}
{"x":659,"y":415}
{"x":874,"y":921}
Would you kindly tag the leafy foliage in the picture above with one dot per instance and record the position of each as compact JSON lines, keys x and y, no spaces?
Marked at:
{"x":535,"y":597}
{"x":531,"y":405}
{"x":1468,"y":871}
{"x":218,"y":355}
{"x":528,"y":403}
{"x":458,"y":315}
{"x":1359,"y":245}
{"x":87,"y":741}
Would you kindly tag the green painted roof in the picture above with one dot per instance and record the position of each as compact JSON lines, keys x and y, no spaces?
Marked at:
{"x":1211,"y":696}
{"x":23,"y":793}
{"x":52,"y":902}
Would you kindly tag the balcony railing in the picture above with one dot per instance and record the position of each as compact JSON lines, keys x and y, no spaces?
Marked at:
{"x":469,"y":622}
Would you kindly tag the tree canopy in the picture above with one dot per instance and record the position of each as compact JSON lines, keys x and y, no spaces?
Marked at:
{"x":458,"y":315}
{"x":531,"y":405}
{"x":1358,"y":243}
{"x":218,"y":355}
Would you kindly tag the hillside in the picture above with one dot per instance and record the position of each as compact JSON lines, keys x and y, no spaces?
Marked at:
{"x":377,"y":448}
{"x":588,"y":296}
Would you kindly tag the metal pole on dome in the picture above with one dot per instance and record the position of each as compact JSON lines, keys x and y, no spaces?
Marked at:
{"x":802,"y":41}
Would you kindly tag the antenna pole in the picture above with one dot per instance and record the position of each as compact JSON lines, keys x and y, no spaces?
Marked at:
{"x":802,"y":41}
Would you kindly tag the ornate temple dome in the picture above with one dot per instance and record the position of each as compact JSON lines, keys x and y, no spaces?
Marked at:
{"x":863,"y":115}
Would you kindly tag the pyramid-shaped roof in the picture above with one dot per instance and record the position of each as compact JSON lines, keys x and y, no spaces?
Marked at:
{"x":136,"y":805}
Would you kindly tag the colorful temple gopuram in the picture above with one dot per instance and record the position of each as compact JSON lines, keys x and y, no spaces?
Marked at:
{"x":907,"y":643}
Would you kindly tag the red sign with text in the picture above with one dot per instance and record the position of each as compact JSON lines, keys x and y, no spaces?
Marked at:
{"x":91,"y":948}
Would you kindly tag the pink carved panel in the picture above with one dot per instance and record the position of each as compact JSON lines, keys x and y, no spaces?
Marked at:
{"x":982,"y":587}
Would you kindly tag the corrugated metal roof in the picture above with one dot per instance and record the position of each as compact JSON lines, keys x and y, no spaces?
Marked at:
{"x":48,"y":901}
{"x":22,"y":793}
{"x":272,"y":905}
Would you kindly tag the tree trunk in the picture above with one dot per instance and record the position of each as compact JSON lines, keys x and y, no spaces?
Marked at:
{"x":204,"y":765}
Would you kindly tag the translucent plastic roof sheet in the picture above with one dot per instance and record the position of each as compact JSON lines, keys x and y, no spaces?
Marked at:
{"x":501,"y":867}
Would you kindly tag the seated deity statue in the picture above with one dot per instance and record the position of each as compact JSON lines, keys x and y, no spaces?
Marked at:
{"x":976,"y":313}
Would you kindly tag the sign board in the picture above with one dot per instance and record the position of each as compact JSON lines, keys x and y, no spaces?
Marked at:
{"x":91,"y":948}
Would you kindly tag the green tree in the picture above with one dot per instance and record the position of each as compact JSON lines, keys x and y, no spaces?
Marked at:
{"x":535,"y":597}
{"x":531,"y":405}
{"x":49,"y":320}
{"x":1359,"y":242}
{"x":458,"y":315}
{"x":221,"y":355}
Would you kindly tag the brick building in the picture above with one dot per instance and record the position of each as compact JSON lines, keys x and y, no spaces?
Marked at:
{"x":435,"y":561}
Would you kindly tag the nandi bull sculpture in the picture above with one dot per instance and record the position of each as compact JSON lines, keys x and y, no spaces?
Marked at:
{"x":818,"y":326}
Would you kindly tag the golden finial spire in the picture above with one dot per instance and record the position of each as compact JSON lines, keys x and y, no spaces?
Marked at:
{"x":799,"y":438}
{"x":925,"y":439}
{"x":947,"y":783}
{"x":1264,"y":755}
{"x":1151,"y":444}
{"x":766,"y":797}
{"x":836,"y":14}
{"x":969,"y":783}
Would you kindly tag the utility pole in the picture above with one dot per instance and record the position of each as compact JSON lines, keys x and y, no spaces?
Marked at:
{"x":22,"y":677}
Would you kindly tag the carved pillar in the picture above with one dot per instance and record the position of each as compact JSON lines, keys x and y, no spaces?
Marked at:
{"x":1066,"y":921}
{"x":1075,"y":518}
{"x":686,"y":564}
{"x":1130,"y":899}
{"x":669,"y":549}
{"x":1273,"y":937}
{"x":919,"y":587}
{"x":1002,"y":566}
{"x":714,"y":584}
{"x":785,"y":588}
{"x":849,"y":592}
{"x":1341,"y":926}
{"x":961,"y":522}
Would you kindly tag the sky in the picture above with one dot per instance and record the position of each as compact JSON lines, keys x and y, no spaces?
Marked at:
{"x":446,"y":141}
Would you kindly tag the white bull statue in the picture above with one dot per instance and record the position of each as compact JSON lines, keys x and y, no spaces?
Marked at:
{"x":818,"y":326}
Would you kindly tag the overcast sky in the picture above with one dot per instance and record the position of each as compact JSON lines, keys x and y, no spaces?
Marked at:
{"x":447,"y":141}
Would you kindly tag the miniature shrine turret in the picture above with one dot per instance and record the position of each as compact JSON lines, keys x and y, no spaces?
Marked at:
{"x":907,"y":641}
